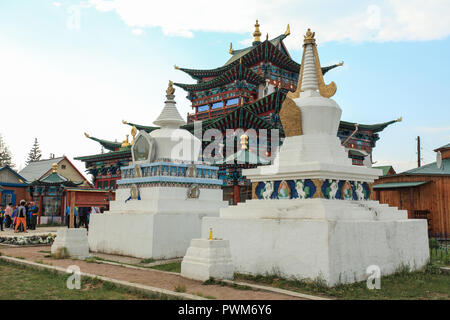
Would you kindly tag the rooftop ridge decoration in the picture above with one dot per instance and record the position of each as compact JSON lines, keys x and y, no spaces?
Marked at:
{"x":257,"y":33}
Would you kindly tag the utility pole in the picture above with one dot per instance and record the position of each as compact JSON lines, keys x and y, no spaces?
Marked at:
{"x":418,"y":151}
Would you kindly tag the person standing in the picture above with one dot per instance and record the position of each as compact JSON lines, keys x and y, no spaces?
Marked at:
{"x":83,"y":214}
{"x":8,"y":215}
{"x":28,"y":215}
{"x":21,"y":216}
{"x":68,"y":216}
{"x":2,"y":214}
{"x":33,"y":211}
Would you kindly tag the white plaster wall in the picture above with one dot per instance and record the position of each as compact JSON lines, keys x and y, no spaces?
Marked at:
{"x":333,"y":250}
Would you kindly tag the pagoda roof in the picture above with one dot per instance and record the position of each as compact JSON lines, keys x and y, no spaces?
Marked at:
{"x":106,"y":155}
{"x":237,"y":72}
{"x":371,"y":127}
{"x":109,"y":145}
{"x":267,"y":51}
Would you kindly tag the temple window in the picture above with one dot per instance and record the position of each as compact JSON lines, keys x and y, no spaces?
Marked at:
{"x":233,"y":101}
{"x":204,"y":107}
{"x":217,"y":105}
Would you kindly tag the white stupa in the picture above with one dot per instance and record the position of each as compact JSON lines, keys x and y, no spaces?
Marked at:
{"x":162,"y":196}
{"x":311,"y":215}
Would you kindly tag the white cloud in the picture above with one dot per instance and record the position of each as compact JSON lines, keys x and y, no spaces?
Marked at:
{"x":137,"y":32}
{"x":56,"y":4}
{"x":379,"y":20}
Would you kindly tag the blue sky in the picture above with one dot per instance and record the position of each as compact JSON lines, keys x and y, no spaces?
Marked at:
{"x":60,"y":78}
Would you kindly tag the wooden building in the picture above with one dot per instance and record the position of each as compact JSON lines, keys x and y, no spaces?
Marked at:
{"x":423,"y":191}
{"x":12,"y":187}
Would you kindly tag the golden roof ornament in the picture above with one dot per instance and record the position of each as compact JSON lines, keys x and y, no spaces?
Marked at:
{"x":176,"y":67}
{"x":288,"y":30}
{"x":400,"y":119}
{"x":257,"y":33}
{"x":267,"y":36}
{"x":170,"y":89}
{"x":231,"y":48}
{"x":309,"y":37}
{"x":133,"y":133}
{"x":54,"y":167}
{"x":125,"y":143}
{"x":86,"y":135}
{"x":124,"y":122}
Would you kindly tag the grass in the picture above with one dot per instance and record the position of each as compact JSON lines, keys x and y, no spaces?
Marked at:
{"x":21,"y":282}
{"x":430,"y":283}
{"x":180,"y":288}
{"x":146,"y":261}
{"x":61,"y":253}
{"x":170,"y":267}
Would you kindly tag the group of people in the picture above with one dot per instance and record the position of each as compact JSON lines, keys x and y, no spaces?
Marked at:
{"x":24,"y":216}
{"x":20,"y":218}
{"x":81,"y":214}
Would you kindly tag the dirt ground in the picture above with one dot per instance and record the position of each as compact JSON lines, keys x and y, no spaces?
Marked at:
{"x":149,"y":277}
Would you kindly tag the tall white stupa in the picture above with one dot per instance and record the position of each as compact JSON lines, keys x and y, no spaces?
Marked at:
{"x":311,"y":213}
{"x":162,"y":196}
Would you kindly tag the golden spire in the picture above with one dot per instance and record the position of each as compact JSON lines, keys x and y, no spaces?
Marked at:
{"x":267,"y":36}
{"x":170,"y":89}
{"x":87,"y":136}
{"x":54,"y":167}
{"x":133,"y":133}
{"x":288,"y":30}
{"x":257,"y":33}
{"x":309,"y":37}
{"x":231,"y":48}
{"x":400,"y":119}
{"x":244,"y":141}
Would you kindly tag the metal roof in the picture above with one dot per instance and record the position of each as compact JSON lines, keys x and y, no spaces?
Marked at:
{"x":431,"y":169}
{"x":37,"y":169}
{"x":395,"y":185}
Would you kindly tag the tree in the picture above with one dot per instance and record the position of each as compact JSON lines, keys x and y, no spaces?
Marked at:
{"x":35,"y":153}
{"x":5,"y":154}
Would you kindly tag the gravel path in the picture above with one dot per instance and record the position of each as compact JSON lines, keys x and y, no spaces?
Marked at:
{"x":149,"y":277}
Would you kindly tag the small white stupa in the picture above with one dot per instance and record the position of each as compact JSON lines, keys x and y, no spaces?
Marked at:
{"x":311,"y":215}
{"x":162,"y":196}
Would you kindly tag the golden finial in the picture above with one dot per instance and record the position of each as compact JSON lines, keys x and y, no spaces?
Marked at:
{"x":231,"y":48}
{"x":125,"y":143}
{"x":133,"y":133}
{"x":86,"y":135}
{"x":170,"y":89}
{"x":244,"y":141}
{"x":257,"y":33}
{"x":240,"y":61}
{"x":309,"y":37}
{"x":267,"y":36}
{"x":400,"y":119}
{"x":175,"y":67}
{"x":340,"y":64}
{"x":124,"y":122}
{"x":55,"y":167}
{"x":288,"y":30}
{"x":279,"y":85}
{"x":210,"y":234}
{"x":242,"y":101}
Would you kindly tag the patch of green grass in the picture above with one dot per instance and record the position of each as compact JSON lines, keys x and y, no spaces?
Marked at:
{"x":20,"y":282}
{"x":21,"y":258}
{"x":43,"y":251}
{"x":180,"y":288}
{"x":91,"y":260}
{"x":430,"y":283}
{"x":170,"y":267}
{"x":146,"y":261}
{"x":440,"y":256}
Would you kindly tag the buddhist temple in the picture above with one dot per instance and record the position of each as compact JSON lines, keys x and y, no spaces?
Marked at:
{"x":245,"y":93}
